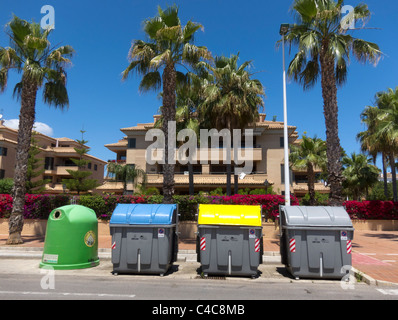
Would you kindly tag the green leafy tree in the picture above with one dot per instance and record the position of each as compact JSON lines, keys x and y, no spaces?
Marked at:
{"x":79,"y":181}
{"x":6,"y":185}
{"x":310,"y":154}
{"x":170,"y":44}
{"x":41,"y":65}
{"x":359,"y":175}
{"x":324,"y":49}
{"x":126,"y":173}
{"x":34,"y":185}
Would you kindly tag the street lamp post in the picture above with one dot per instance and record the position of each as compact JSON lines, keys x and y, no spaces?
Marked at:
{"x":283,"y":30}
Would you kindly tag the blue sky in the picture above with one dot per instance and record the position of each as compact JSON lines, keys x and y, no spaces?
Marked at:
{"x":101,"y":33}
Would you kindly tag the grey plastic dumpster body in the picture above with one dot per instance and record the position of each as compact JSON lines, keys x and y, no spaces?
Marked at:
{"x":144,"y":238}
{"x":316,"y":242}
{"x":225,"y":245}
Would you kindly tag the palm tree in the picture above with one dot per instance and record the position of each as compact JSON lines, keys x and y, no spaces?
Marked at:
{"x":310,"y":154}
{"x":232,"y":100}
{"x":387,"y":102}
{"x":371,"y":141}
{"x":41,"y":65}
{"x":324,"y":49}
{"x":359,"y":175}
{"x":126,"y":173}
{"x":170,"y":44}
{"x":382,"y":132}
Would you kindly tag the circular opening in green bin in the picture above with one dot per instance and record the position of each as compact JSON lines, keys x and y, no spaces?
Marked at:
{"x":57,"y":214}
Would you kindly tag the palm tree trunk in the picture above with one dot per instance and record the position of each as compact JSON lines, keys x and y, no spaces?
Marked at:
{"x":191,"y":186}
{"x":311,"y":184}
{"x":394,"y":177}
{"x":169,"y":114}
{"x":385,"y":175}
{"x":228,"y":179}
{"x":329,"y":94}
{"x":26,"y":120}
{"x":236,"y":181}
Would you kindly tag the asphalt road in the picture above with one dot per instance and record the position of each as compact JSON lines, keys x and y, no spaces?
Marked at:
{"x":22,"y":279}
{"x":20,"y":287}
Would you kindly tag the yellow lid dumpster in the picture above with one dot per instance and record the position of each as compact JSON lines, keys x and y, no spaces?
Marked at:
{"x":234,"y":215}
{"x":229,"y":239}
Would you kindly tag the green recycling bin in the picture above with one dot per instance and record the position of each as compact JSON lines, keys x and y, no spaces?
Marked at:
{"x":71,"y":240}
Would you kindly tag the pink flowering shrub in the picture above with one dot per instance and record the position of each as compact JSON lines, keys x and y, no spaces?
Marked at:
{"x":39,"y":206}
{"x":372,"y":210}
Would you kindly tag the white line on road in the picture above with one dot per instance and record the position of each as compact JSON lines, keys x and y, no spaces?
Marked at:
{"x":391,"y":292}
{"x":69,"y":294}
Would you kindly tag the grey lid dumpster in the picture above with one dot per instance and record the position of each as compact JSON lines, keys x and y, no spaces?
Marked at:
{"x":316,"y":242}
{"x":144,"y":238}
{"x":229,"y":239}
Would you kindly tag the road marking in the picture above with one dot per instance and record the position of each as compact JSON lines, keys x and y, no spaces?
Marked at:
{"x":390,"y":292}
{"x":391,"y":261}
{"x":69,"y":294}
{"x":392,"y":254}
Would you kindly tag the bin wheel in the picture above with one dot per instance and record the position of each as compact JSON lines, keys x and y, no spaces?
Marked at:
{"x":114,"y":273}
{"x":162,"y":274}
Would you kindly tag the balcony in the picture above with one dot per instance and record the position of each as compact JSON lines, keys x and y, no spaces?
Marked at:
{"x":220,"y":154}
{"x":302,"y":187}
{"x":256,"y":179}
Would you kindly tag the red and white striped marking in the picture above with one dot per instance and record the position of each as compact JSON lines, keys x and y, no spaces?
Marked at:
{"x":203,"y":244}
{"x":257,"y":245}
{"x":349,"y":246}
{"x":292,"y":245}
{"x":113,"y":245}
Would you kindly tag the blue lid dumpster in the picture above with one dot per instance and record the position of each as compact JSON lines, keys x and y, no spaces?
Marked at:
{"x":144,"y":238}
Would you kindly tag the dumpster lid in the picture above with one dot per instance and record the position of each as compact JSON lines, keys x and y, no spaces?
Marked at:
{"x":218,"y":214}
{"x":141,"y":214}
{"x":316,"y":216}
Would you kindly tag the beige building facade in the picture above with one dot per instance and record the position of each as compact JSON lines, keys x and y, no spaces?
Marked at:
{"x":56,"y":154}
{"x":267,"y":156}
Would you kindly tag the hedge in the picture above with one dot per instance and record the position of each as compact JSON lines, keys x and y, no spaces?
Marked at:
{"x":40,"y":206}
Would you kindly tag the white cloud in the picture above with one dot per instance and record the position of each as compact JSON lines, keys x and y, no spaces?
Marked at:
{"x":38,"y":126}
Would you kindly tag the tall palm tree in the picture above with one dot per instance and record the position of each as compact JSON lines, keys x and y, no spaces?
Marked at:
{"x":310,"y":154}
{"x":30,"y":53}
{"x":381,"y":135}
{"x":324,"y":49}
{"x":233,"y":98}
{"x":387,"y":102}
{"x":170,"y":44}
{"x":371,"y":140}
{"x":359,"y":175}
{"x":126,"y":173}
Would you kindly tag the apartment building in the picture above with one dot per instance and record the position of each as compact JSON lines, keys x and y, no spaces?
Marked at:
{"x":56,"y":154}
{"x":267,"y":156}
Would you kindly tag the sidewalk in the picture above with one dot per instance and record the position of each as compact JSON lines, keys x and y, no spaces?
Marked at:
{"x":375,"y":253}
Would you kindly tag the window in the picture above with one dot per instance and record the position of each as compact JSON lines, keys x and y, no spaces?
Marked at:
{"x":2,"y":173}
{"x":3,"y":151}
{"x":49,"y":163}
{"x":89,"y":165}
{"x":95,"y":167}
{"x":131,"y":143}
{"x":282,"y":142}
